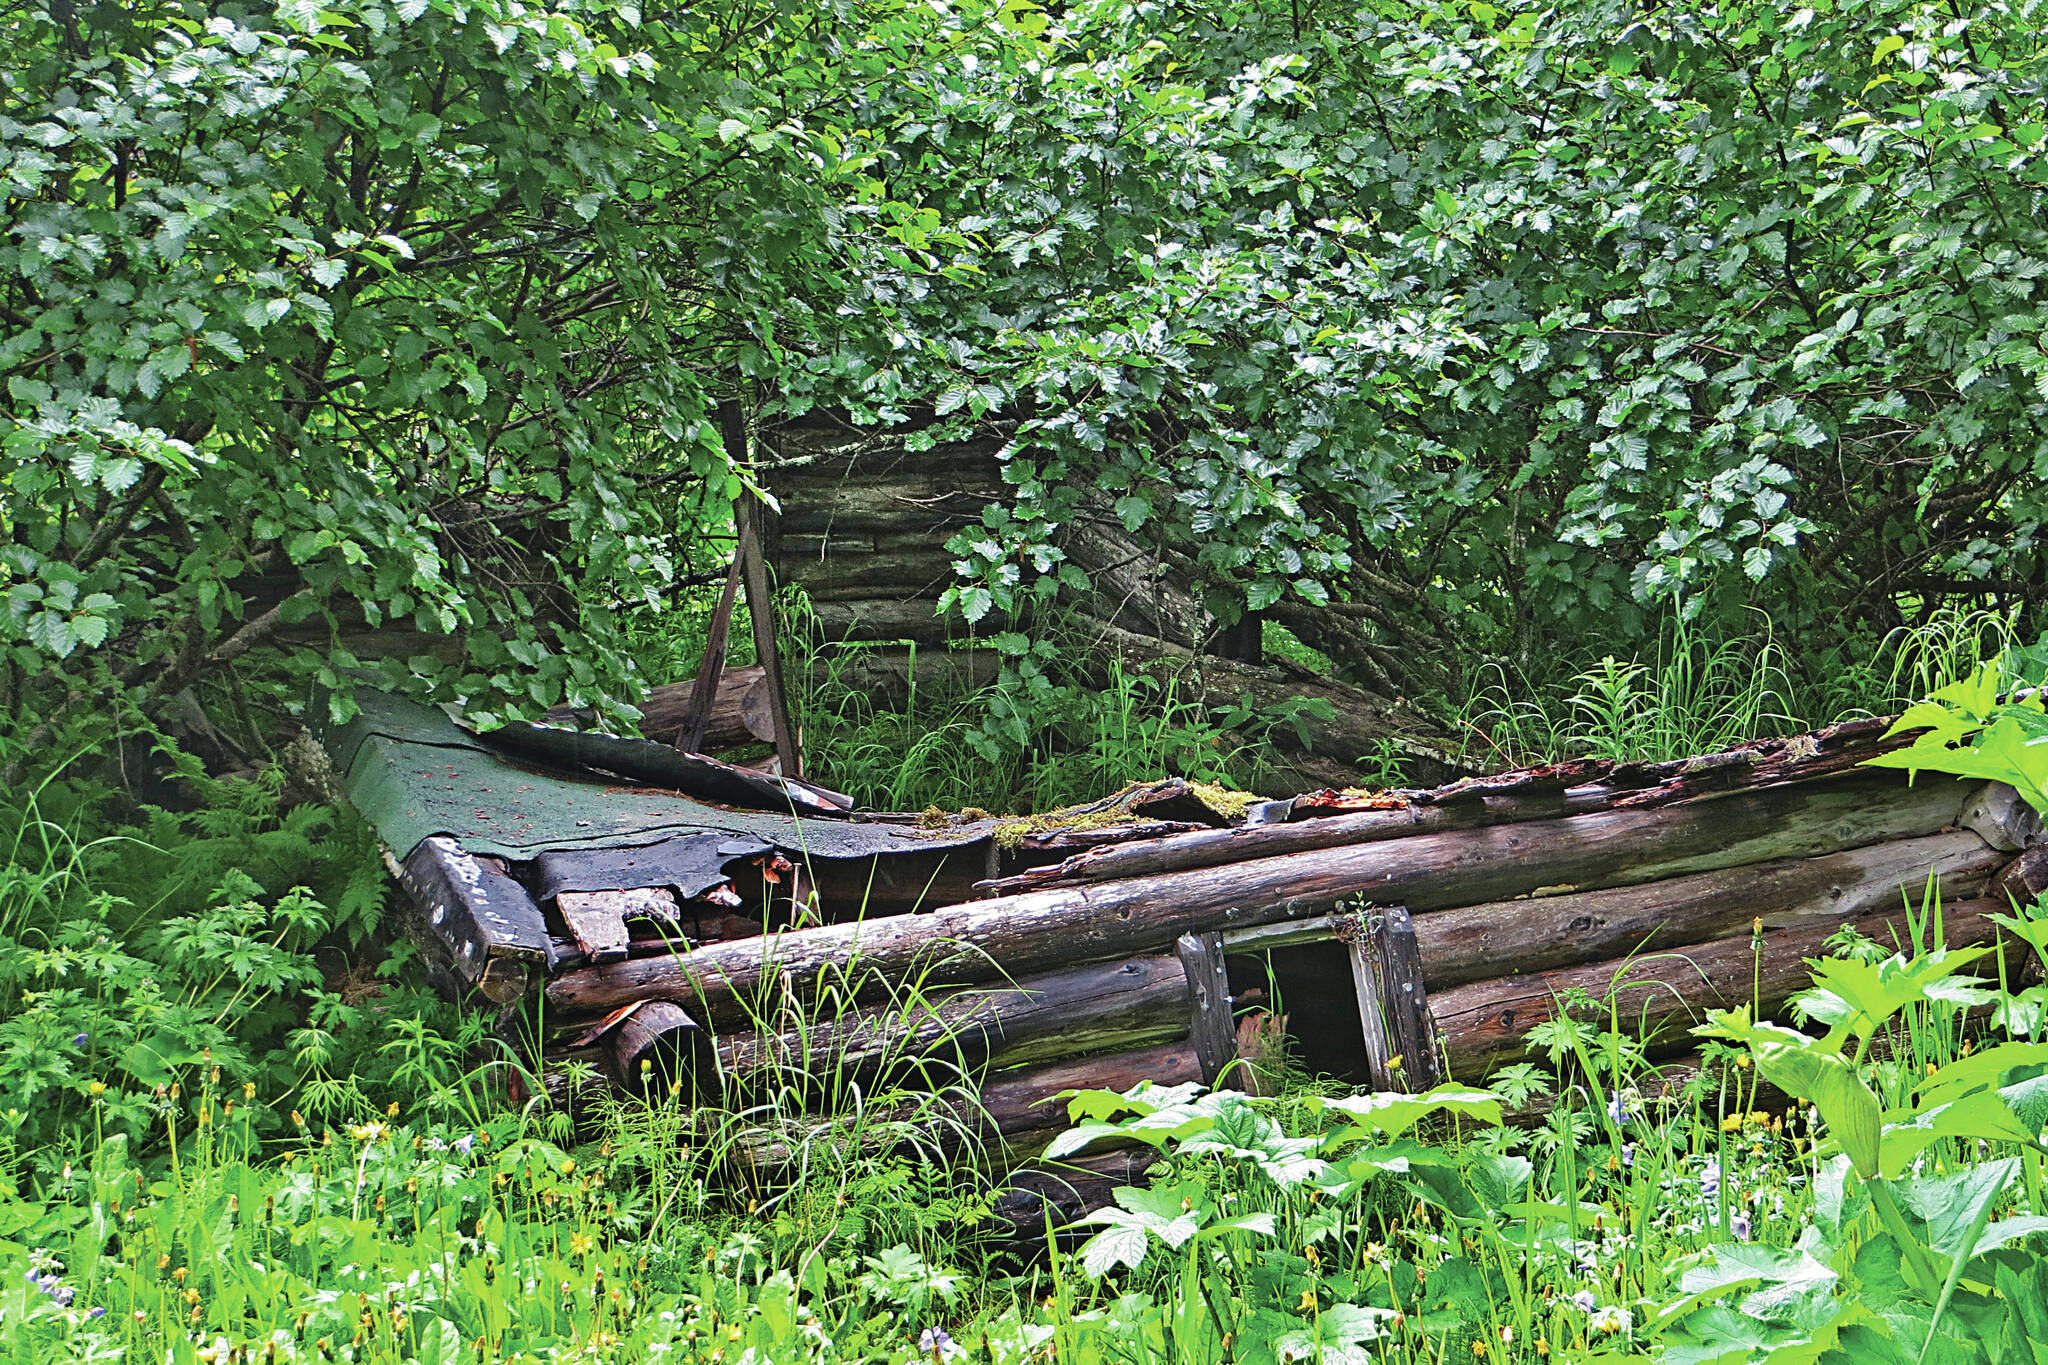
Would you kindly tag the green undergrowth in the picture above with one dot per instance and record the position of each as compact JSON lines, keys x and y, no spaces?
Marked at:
{"x":1869,"y":1189}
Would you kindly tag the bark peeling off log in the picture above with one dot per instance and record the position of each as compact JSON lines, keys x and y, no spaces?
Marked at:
{"x":1484,"y":1025}
{"x":1039,"y":930}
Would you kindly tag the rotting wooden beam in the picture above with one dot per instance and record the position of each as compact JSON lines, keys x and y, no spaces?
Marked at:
{"x":1037,"y":931}
{"x":1208,"y":986}
{"x":748,"y":522}
{"x":1323,"y":820}
{"x":1660,"y":995}
{"x":1101,"y":1006}
{"x":704,"y":690}
{"x":1536,"y":933}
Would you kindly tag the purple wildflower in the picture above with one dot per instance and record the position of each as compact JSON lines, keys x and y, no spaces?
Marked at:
{"x":1739,"y":1225}
{"x":81,"y":1040}
{"x":1585,"y":1301}
{"x":1628,"y":1154}
{"x":1619,"y":1110}
{"x":1710,"y":1180}
{"x":938,"y":1343}
{"x":465,"y":1142}
{"x":99,"y":1310}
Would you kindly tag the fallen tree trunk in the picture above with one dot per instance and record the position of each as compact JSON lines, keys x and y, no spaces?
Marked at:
{"x":1040,"y":930}
{"x":1486,"y":1024}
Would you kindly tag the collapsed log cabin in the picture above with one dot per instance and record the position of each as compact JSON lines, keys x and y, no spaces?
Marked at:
{"x":678,"y":923}
{"x":861,"y":524}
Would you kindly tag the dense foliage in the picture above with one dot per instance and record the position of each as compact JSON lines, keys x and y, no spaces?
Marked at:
{"x":1442,"y":333}
{"x":391,"y":313}
{"x":1499,"y":324}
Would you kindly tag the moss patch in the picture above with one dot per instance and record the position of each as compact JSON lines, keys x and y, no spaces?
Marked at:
{"x":1011,"y":833}
{"x":1231,"y":805}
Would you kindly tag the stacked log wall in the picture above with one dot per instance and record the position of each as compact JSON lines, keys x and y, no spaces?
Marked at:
{"x":1671,"y":890}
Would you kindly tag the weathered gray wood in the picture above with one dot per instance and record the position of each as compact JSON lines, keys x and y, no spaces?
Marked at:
{"x":738,"y":716}
{"x":1474,"y":942}
{"x":1214,"y":848}
{"x":2003,"y":818}
{"x":1008,"y":1119}
{"x":1264,"y":938}
{"x":704,"y":691}
{"x":1021,"y":1107}
{"x":747,"y":517}
{"x":2024,"y":878}
{"x":1103,"y":1006}
{"x":1211,"y":1027}
{"x":1486,"y":1024}
{"x":842,"y":507}
{"x":1039,"y":930}
{"x":1403,"y":1003}
{"x":1372,"y":1019}
{"x":1329,"y":819}
{"x":472,"y":907}
{"x":597,"y":920}
{"x":850,"y":577}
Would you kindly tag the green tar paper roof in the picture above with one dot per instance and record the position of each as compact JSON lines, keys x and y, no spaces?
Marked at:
{"x":413,"y":772}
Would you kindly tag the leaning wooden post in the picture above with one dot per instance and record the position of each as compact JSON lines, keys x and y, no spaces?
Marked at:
{"x":746,"y":515}
{"x":704,"y":692}
{"x":1213,"y":1032}
{"x":1393,"y":1008}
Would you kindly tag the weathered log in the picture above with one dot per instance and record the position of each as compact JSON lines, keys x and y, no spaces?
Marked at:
{"x":842,"y":578}
{"x":1475,"y":942}
{"x":1021,"y":1110}
{"x":1327,"y":819}
{"x":1216,"y":847}
{"x":1104,"y":1006}
{"x":2024,"y":878}
{"x":1004,"y":1122}
{"x":850,"y":508}
{"x":1038,"y":930}
{"x":2004,"y":818}
{"x":1487,"y":1023}
{"x":739,"y":711}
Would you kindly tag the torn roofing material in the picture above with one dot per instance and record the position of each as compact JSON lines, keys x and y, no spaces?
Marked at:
{"x":412,"y":773}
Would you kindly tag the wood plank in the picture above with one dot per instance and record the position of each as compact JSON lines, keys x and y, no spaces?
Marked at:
{"x":704,"y":692}
{"x":748,"y":518}
{"x":595,"y":924}
{"x":1404,"y":1004}
{"x":1211,"y":1027}
{"x":1372,"y":1019}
